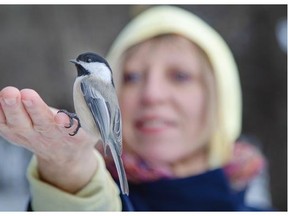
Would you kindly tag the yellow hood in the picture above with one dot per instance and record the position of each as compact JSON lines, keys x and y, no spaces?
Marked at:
{"x":167,"y":19}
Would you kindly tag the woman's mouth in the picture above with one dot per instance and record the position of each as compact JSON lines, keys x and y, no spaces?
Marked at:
{"x":152,"y":125}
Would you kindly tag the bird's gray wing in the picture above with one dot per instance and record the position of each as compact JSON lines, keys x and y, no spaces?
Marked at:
{"x":116,"y":129}
{"x":101,"y":111}
{"x":98,"y":108}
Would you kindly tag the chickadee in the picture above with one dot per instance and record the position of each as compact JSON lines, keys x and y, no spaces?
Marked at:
{"x":97,"y":107}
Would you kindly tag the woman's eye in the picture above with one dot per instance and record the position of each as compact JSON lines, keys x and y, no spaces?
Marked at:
{"x":181,"y":76}
{"x":131,"y":77}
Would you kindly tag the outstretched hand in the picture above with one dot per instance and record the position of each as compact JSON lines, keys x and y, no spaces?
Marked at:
{"x":26,"y":120}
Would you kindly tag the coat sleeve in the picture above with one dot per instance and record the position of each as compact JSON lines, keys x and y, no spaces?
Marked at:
{"x":100,"y":194}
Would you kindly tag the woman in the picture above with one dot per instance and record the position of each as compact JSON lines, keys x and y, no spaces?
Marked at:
{"x":180,"y":99}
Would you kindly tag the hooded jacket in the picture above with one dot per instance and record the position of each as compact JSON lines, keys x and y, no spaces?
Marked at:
{"x":173,"y":20}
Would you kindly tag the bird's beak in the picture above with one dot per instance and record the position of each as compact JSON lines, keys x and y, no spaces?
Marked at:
{"x":74,"y":61}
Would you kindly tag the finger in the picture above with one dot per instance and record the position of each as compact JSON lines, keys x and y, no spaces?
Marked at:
{"x":82,"y":137}
{"x":54,"y":110}
{"x":2,"y":116}
{"x":63,"y":121}
{"x":13,"y":110}
{"x":39,"y":112}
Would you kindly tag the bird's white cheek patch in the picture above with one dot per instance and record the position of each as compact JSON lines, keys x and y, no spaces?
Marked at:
{"x":98,"y":69}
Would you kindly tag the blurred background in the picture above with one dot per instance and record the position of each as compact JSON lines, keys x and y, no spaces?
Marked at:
{"x":36,"y":43}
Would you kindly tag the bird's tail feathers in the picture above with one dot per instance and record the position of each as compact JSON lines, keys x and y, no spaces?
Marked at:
{"x":120,"y":170}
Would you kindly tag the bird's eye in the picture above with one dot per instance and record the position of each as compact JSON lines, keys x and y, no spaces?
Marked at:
{"x":89,"y":60}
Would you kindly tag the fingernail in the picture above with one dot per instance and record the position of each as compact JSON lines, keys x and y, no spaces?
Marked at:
{"x":10,"y":101}
{"x":27,"y":103}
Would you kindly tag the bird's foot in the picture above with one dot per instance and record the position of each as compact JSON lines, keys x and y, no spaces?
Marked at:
{"x":71,"y":116}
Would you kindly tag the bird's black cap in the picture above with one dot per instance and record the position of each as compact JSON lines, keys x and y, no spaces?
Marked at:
{"x":92,"y":57}
{"x":89,"y":57}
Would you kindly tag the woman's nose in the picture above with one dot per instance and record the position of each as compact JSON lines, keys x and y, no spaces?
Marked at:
{"x":154,"y":89}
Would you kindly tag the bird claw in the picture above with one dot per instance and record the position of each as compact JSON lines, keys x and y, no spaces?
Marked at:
{"x":71,"y":117}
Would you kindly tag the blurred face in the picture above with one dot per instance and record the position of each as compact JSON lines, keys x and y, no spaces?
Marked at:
{"x":163,"y":102}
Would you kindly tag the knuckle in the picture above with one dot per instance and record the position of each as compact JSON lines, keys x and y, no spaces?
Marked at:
{"x":16,"y":128}
{"x":42,"y":129}
{"x":14,"y":137}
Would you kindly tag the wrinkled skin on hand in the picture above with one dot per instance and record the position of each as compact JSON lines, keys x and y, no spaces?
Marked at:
{"x":64,"y":161}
